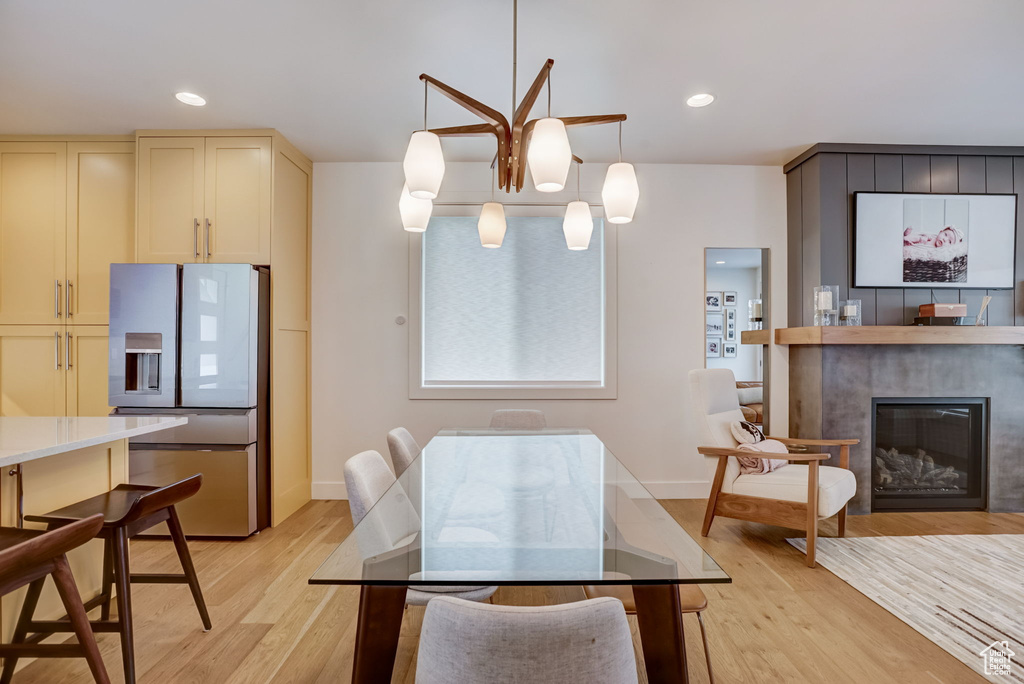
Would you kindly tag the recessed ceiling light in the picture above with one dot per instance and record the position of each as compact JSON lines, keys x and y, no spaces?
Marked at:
{"x":719,"y":262}
{"x":190,"y":99}
{"x":700,"y":100}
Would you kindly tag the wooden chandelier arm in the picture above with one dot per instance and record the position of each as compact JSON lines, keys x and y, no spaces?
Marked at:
{"x":519,"y":137}
{"x":594,"y":120}
{"x":464,"y":131}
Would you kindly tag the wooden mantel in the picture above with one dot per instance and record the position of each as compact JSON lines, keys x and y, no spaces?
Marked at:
{"x":901,"y":334}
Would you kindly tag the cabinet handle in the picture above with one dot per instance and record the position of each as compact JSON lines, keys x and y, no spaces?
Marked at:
{"x":195,"y":237}
{"x":67,"y":352}
{"x":56,"y":351}
{"x":209,"y":229}
{"x":69,"y":296}
{"x":56,"y":299}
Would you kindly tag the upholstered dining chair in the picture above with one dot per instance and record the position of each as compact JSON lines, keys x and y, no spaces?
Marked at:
{"x":367,"y":479}
{"x":403,"y":448}
{"x":588,"y":642}
{"x":797,"y":495}
{"x":518,"y":419}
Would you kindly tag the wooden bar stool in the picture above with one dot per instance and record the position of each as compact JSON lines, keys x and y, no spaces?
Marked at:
{"x":691,"y":600}
{"x":27,"y":557}
{"x":127,"y":510}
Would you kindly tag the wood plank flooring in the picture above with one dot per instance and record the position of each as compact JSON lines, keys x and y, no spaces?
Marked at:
{"x":778,"y":622}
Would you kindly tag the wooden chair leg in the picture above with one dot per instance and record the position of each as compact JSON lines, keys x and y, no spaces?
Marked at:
{"x":21,"y":629}
{"x":716,"y":487}
{"x":842,"y":521}
{"x":812,"y":511}
{"x":707,"y":651}
{"x":122,"y":584}
{"x":108,"y":578}
{"x":68,"y":591}
{"x":181,"y":546}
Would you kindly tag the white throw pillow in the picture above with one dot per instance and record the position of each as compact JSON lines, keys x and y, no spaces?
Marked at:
{"x":750,"y":395}
{"x":745,"y":432}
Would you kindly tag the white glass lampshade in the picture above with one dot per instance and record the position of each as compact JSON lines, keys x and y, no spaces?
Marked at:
{"x":549,"y":155}
{"x":491,"y":225}
{"x":620,"y":193}
{"x":577,"y":225}
{"x":424,"y":165}
{"x":415,"y":212}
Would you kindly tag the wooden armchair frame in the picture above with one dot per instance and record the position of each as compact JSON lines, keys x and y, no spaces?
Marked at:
{"x":793,"y":514}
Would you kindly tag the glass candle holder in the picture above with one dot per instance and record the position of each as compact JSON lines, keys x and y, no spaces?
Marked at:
{"x":755,"y":314}
{"x":850,"y":312}
{"x":826,"y":305}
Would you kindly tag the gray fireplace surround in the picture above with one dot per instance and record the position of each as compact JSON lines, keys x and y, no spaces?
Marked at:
{"x":831,"y":388}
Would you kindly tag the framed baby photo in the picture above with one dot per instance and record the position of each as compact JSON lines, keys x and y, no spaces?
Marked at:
{"x":714,"y":347}
{"x":729,"y":350}
{"x":713,"y":301}
{"x":729,"y":299}
{"x":934,"y":241}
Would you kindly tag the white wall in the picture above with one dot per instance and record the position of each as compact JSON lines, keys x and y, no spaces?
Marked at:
{"x":746,"y":283}
{"x":360,"y":285}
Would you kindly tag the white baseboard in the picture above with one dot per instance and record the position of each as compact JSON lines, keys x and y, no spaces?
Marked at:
{"x":329,"y":490}
{"x":689,"y":489}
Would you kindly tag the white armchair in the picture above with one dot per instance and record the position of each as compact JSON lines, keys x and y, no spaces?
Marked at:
{"x":797,"y":495}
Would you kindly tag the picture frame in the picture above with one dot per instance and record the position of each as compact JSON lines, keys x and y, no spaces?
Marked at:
{"x":713,"y":347}
{"x":933,"y":240}
{"x":729,"y":299}
{"x":712,"y":301}
{"x":730,"y":332}
{"x":714,"y":325}
{"x":729,"y":350}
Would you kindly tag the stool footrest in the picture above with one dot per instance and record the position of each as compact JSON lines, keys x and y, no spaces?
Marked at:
{"x":41,"y":650}
{"x":157,"y":578}
{"x":41,"y":629}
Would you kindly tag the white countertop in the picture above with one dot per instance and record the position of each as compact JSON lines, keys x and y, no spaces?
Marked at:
{"x":26,"y":439}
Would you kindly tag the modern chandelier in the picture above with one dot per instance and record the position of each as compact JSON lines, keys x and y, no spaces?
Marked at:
{"x":540,"y":144}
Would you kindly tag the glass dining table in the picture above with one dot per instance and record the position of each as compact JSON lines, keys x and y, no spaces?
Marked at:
{"x":488,"y":507}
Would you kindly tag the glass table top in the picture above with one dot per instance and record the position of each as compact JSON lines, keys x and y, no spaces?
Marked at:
{"x":505,"y":507}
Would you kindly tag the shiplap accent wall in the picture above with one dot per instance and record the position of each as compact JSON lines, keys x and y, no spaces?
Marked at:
{"x":820,"y":187}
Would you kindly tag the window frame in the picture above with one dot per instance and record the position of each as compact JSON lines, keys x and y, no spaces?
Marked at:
{"x":525,"y":390}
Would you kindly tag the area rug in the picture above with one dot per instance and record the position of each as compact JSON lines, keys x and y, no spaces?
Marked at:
{"x":964,"y":592}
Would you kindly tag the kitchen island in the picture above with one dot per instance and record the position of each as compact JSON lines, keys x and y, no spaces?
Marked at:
{"x":48,"y":463}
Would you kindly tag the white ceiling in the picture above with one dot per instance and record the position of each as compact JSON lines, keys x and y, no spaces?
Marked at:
{"x":339,"y":77}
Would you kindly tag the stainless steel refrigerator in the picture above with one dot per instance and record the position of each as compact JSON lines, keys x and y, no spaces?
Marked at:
{"x":194,"y":340}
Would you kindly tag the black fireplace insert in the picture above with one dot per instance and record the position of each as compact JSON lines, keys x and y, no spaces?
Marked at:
{"x":929,"y":454}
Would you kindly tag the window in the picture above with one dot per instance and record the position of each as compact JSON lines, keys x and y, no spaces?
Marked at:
{"x":529,"y":320}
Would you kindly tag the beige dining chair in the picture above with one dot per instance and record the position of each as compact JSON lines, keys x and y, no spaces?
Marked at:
{"x":367,"y":479}
{"x":797,"y":495}
{"x":588,"y":642}
{"x":403,"y":448}
{"x":518,"y":419}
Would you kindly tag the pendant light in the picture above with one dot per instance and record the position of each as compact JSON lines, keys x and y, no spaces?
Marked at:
{"x":578,"y":224}
{"x":424,"y":161}
{"x":549,"y":154}
{"x":621,"y":192}
{"x":491,"y":225}
{"x":415,"y":212}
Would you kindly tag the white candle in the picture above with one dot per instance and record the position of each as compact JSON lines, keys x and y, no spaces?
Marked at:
{"x":850,"y":310}
{"x":825,"y":300}
{"x":757,"y":309}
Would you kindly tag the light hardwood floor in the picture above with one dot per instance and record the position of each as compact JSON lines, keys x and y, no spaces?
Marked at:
{"x":779,"y":621}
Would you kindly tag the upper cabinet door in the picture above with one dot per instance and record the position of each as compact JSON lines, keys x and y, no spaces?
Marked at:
{"x":170,"y":200}
{"x":101,"y":225}
{"x":32,"y":223}
{"x":236,"y":226}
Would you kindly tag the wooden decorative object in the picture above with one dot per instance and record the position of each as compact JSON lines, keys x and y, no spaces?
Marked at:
{"x":513,"y":138}
{"x":942,"y":310}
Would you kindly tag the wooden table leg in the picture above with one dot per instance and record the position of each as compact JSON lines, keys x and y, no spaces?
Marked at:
{"x":660,"y":619}
{"x":380,"y":621}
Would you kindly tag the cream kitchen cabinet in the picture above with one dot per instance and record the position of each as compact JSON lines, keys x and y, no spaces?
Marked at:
{"x":204,"y":198}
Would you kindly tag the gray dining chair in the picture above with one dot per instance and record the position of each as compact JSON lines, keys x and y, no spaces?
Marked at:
{"x":403,"y":448}
{"x":367,"y":479}
{"x":518,"y":419}
{"x":588,"y":642}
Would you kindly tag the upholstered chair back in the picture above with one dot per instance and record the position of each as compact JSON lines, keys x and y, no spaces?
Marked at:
{"x":368,"y":479}
{"x":576,"y":643}
{"x":716,"y":405}
{"x":403,"y":448}
{"x":518,"y":419}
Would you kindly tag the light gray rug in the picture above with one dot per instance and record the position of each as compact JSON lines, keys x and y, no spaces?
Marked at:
{"x":963,"y":592}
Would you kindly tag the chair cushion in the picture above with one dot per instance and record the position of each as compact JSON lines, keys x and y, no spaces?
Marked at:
{"x":420,"y":596}
{"x":836,"y":486}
